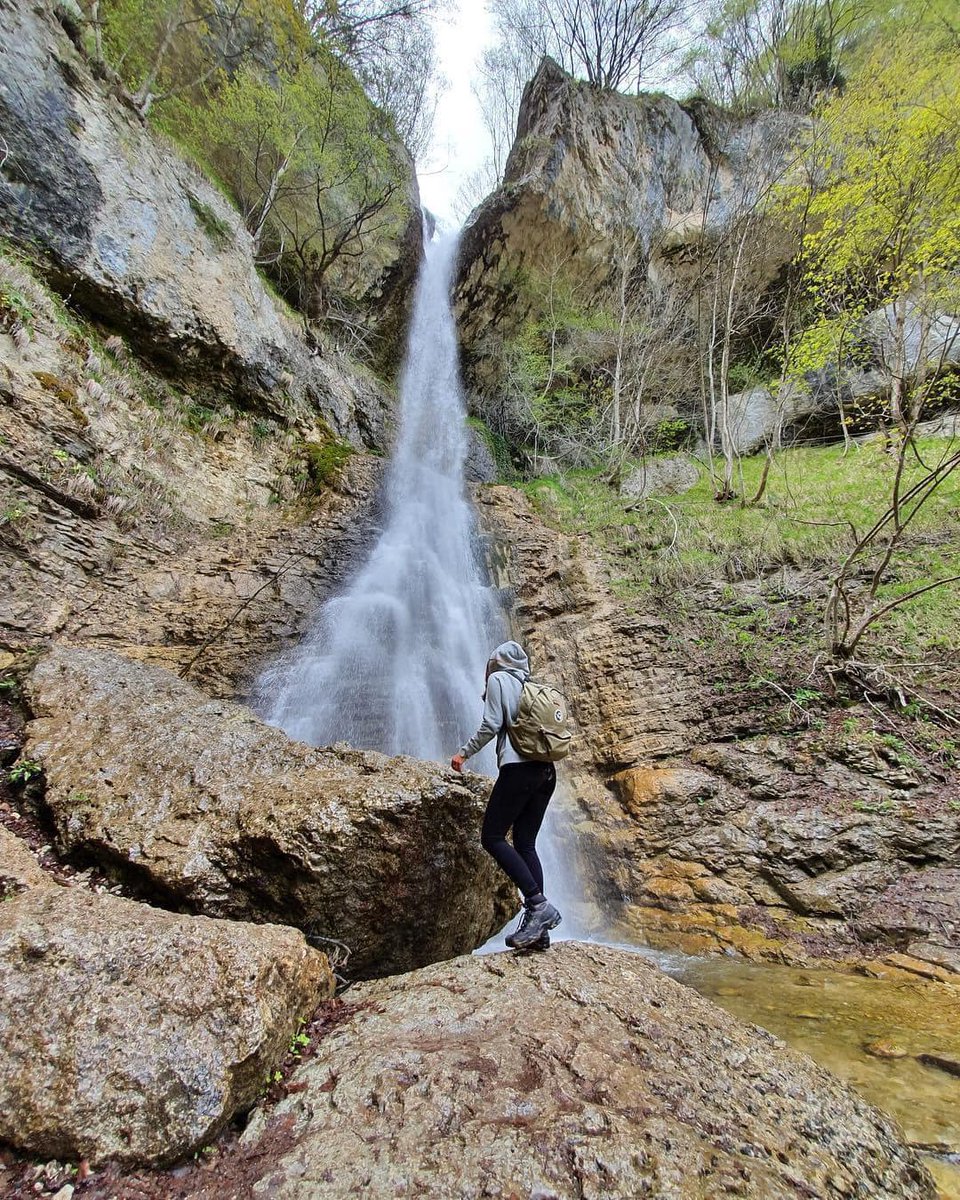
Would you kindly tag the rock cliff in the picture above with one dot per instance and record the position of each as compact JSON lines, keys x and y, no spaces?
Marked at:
{"x":181,"y":474}
{"x":594,"y":176}
{"x":700,"y":826}
{"x":139,"y":239}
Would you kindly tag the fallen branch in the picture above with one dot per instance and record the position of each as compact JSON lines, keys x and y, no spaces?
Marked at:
{"x":281,"y":570}
{"x":82,"y":508}
{"x":884,"y":683}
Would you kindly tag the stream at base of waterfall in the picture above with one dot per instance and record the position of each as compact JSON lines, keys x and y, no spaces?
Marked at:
{"x":395,"y":662}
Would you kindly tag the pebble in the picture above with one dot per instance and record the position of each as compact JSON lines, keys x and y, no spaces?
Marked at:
{"x":882,"y":1048}
{"x":65,"y":1193}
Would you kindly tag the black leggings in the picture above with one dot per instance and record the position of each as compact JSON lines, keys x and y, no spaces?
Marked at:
{"x":519,"y":799}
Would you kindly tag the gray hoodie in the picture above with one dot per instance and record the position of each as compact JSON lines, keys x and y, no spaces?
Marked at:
{"x":509,"y":670}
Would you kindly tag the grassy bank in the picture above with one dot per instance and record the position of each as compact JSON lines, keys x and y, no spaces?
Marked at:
{"x":753,"y":578}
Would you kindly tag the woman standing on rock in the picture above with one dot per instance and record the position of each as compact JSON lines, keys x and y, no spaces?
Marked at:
{"x":519,"y":798}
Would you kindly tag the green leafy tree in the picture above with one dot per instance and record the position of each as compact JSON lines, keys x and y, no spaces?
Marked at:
{"x":163,"y":48}
{"x":776,"y":52}
{"x":880,"y":260}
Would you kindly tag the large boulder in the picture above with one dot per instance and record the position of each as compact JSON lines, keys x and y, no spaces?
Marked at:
{"x":142,"y":241}
{"x":584,"y":1072}
{"x":132,"y":1034}
{"x":203,"y":806}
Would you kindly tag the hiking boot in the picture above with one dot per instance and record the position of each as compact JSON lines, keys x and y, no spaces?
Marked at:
{"x":534,"y":923}
{"x":543,"y":943}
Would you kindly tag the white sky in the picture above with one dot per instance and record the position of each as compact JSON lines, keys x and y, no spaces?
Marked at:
{"x":460,"y":142}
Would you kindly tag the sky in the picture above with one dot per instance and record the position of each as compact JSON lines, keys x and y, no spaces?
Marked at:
{"x":460,"y":142}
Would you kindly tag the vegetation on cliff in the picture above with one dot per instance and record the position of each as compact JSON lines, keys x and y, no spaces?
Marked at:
{"x":818,"y":295}
{"x":299,"y":113}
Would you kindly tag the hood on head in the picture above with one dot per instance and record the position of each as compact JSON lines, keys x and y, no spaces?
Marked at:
{"x":511,"y":656}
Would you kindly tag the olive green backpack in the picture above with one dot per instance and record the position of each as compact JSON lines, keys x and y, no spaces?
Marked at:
{"x":542,"y":729}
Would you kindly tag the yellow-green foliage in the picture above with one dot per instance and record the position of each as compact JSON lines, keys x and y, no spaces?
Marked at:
{"x":169,"y":46}
{"x":881,"y":218}
{"x":270,"y":110}
{"x":299,"y":148}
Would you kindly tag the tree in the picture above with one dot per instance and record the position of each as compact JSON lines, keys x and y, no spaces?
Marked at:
{"x":390,"y":47}
{"x":258,"y":133}
{"x":781,"y":53}
{"x":164,"y":48}
{"x":613,"y":44}
{"x":881,"y":263}
{"x":735,"y":307}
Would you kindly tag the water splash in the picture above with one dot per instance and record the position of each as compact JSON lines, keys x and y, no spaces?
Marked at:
{"x":396,"y":661}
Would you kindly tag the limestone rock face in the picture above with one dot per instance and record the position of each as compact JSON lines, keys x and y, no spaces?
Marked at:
{"x":19,"y":869}
{"x":671,"y":475}
{"x":585,"y":167}
{"x":132,"y":1034}
{"x":203,"y":806}
{"x":583,"y":1072}
{"x":143,"y":241}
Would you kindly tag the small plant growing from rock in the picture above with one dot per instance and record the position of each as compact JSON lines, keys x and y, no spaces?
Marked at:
{"x":22,"y":772}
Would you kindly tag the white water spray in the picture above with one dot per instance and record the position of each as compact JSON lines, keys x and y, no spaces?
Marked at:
{"x":396,"y":662}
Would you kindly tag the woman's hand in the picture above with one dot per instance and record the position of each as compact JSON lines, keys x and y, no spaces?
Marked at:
{"x":457,"y":762}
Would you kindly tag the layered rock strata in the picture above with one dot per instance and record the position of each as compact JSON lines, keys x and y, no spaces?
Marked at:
{"x":584,"y":1072}
{"x":202,"y":806}
{"x":700,"y":829}
{"x":134,"y":517}
{"x":134,"y":1035}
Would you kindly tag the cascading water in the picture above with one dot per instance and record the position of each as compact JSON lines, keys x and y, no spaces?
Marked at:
{"x":396,"y":662}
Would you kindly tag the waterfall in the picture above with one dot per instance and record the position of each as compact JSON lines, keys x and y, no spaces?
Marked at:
{"x":395,"y":662}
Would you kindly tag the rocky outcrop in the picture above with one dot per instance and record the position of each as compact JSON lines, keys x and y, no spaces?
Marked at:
{"x":19,"y":869}
{"x":582,"y":1072}
{"x":591,"y":172}
{"x":133,"y":516}
{"x":141,"y":241}
{"x":202,"y":806}
{"x":135,"y":1035}
{"x":670,"y":475}
{"x":700,"y":830}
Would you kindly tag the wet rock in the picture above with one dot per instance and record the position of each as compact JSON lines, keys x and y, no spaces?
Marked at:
{"x":642,"y":787}
{"x":19,"y":869}
{"x":133,"y":1034}
{"x":942,"y":1062}
{"x":937,"y":953}
{"x":883,"y":1048}
{"x":203,"y":806}
{"x":581,"y":1072}
{"x":922,"y":905}
{"x":479,"y":466}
